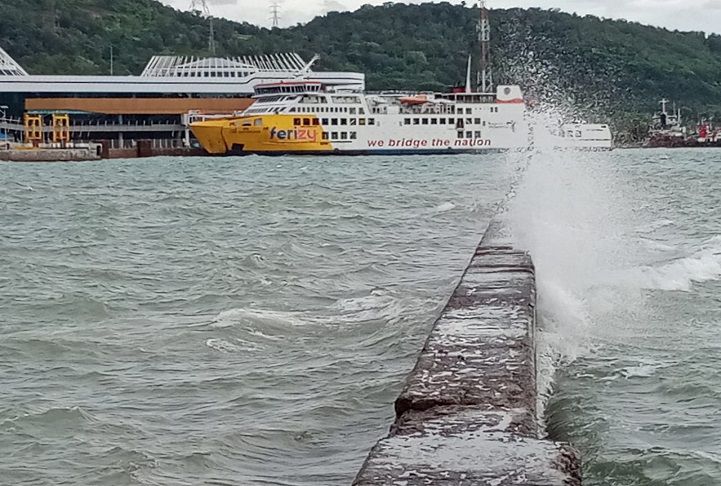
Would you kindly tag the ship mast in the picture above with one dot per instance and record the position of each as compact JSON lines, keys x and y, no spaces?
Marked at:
{"x":485,"y":71}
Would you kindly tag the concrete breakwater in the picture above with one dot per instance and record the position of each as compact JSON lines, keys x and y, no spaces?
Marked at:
{"x":50,"y":155}
{"x":467,"y":414}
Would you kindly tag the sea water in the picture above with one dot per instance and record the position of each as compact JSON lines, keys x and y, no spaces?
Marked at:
{"x":251,"y":320}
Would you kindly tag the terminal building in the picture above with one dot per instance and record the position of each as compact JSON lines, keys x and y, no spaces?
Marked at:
{"x":158,"y":103}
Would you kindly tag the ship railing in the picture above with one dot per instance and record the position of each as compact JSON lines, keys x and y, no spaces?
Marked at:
{"x":167,"y":143}
{"x":431,"y":109}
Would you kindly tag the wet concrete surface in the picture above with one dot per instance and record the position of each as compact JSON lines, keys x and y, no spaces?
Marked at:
{"x":467,"y":413}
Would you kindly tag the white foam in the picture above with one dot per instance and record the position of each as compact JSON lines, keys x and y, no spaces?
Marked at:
{"x":445,"y":207}
{"x":571,"y":212}
{"x":240,"y":315}
{"x":222,"y":346}
{"x":680,"y":274}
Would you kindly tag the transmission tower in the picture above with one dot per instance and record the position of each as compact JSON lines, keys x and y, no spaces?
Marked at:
{"x":202,"y":7}
{"x":275,"y":12}
{"x":485,"y":71}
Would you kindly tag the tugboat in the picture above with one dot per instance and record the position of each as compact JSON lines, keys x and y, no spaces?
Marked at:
{"x":666,"y":128}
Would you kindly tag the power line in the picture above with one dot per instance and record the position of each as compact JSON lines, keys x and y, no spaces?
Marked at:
{"x":275,"y":12}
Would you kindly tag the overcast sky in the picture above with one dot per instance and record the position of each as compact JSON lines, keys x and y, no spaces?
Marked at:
{"x":702,"y":15}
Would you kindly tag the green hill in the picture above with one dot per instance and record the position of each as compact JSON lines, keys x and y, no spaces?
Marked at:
{"x":596,"y":65}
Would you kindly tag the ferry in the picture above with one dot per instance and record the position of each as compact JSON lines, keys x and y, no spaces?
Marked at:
{"x":585,"y":136}
{"x":310,"y":117}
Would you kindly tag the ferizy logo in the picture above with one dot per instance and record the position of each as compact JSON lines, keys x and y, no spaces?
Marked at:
{"x":299,"y":134}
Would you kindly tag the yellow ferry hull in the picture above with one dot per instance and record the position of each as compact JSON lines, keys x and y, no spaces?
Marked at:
{"x":266,"y":134}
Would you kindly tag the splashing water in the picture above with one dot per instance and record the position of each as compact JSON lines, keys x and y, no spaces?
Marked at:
{"x":627,"y":249}
{"x":570,"y":213}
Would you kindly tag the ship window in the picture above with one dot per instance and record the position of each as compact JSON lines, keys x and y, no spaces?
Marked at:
{"x":296,"y":121}
{"x":352,"y":111}
{"x":325,"y":135}
{"x":324,"y":121}
{"x":333,"y":121}
{"x":425,"y":121}
{"x":344,"y":121}
{"x":334,"y":135}
{"x":316,"y":122}
{"x":468,"y":111}
{"x":353,"y":121}
{"x":469,"y":121}
{"x":406,"y":121}
{"x":344,"y":135}
{"x":460,"y":134}
{"x":292,"y":110}
{"x":477,"y":121}
{"x":258,"y":122}
{"x":353,"y":135}
{"x":443,"y":121}
{"x":361,"y":121}
{"x":451,"y":120}
{"x":434,"y":121}
{"x":371,"y":121}
{"x":361,"y":111}
{"x":484,"y":123}
{"x":306,"y":122}
{"x":416,"y":121}
{"x":469,"y":135}
{"x":478,"y":134}
{"x":578,"y":133}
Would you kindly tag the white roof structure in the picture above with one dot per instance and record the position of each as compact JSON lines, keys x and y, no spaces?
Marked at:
{"x":8,"y":66}
{"x":216,"y":67}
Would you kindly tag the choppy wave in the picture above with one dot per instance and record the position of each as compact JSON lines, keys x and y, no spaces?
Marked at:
{"x":680,"y":274}
{"x":199,"y":319}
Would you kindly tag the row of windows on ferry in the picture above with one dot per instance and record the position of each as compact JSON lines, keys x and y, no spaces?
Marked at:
{"x":354,"y":135}
{"x":333,"y":121}
{"x":371,"y":121}
{"x":340,"y":135}
{"x":360,"y":110}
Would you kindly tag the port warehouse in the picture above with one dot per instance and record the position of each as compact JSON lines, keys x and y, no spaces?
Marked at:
{"x":156,"y":105}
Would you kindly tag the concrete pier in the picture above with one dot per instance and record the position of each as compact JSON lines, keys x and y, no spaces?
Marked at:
{"x":50,"y":155}
{"x":467,"y":413}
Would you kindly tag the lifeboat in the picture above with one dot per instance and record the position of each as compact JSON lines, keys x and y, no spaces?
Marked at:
{"x":414,"y":100}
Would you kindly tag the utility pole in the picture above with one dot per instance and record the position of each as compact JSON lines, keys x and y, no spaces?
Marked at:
{"x":485,"y":71}
{"x":275,"y":13}
{"x":202,"y":7}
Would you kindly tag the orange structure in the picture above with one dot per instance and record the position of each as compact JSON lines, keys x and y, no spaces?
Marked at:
{"x":61,"y":129}
{"x":33,"y":129}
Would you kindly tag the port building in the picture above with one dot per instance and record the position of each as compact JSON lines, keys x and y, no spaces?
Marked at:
{"x":156,"y":103}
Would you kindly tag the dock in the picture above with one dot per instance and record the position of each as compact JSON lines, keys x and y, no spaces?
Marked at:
{"x":467,"y":414}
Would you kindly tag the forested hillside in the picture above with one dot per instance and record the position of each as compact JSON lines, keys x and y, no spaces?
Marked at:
{"x":596,"y":65}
